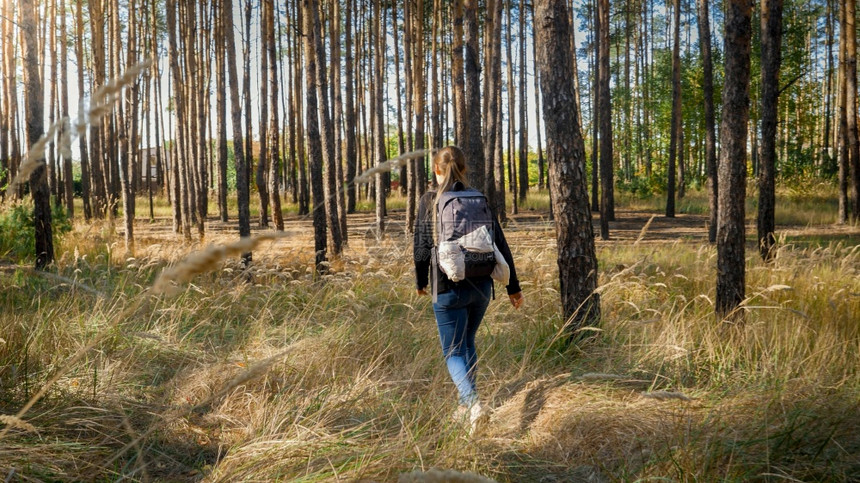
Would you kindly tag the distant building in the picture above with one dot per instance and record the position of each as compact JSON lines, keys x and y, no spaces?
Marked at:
{"x":150,"y":153}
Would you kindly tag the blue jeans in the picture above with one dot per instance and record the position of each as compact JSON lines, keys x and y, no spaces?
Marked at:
{"x":458,"y":316}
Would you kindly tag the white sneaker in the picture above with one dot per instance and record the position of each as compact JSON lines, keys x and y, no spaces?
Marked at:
{"x":479,"y":416}
{"x":461,"y":415}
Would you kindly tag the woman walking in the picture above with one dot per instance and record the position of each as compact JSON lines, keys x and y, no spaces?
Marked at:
{"x":458,"y":306}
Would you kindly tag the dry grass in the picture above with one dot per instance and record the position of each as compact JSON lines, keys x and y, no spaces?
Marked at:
{"x":341,"y":378}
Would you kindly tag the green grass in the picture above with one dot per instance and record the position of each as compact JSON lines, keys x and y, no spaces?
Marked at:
{"x":295,"y":379}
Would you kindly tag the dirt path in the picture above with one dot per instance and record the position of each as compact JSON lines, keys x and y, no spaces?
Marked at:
{"x":528,"y":230}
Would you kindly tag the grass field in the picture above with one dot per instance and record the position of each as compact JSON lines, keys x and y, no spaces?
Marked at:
{"x":289,"y":377}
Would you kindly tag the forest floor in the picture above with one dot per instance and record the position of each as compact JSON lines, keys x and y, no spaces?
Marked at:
{"x":290,"y":378}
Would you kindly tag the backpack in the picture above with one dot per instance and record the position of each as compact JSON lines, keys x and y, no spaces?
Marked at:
{"x":460,"y":213}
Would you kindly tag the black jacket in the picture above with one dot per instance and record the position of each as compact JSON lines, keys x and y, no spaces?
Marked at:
{"x":422,"y":243}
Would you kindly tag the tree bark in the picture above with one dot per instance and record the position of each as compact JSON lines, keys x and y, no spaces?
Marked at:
{"x":124,"y":131}
{"x":457,"y":76}
{"x":274,"y":127}
{"x":771,"y":42}
{"x":851,"y":103}
{"x":182,"y":203}
{"x":595,"y":114}
{"x":419,"y":177}
{"x":5,"y":162}
{"x":327,"y":138}
{"x":298,"y":107}
{"x":842,"y":130}
{"x":607,"y":203}
{"x":10,"y":92}
{"x":261,"y":171}
{"x":378,"y":111}
{"x":401,"y":142}
{"x":351,"y":127}
{"x":221,"y":111}
{"x":315,"y":151}
{"x":338,"y":120}
{"x":825,"y":159}
{"x":54,"y":182}
{"x":69,"y":187}
{"x":246,"y":91}
{"x":541,"y":163}
{"x":674,"y":144}
{"x":732,"y":167}
{"x":523,"y":141}
{"x":512,"y":157}
{"x":577,"y":262}
{"x":34,"y":99}
{"x":100,"y":187}
{"x":710,"y":131}
{"x":242,"y":183}
{"x":472,"y":144}
{"x":492,"y":85}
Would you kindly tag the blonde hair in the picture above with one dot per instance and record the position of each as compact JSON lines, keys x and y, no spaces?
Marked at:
{"x":451,"y":161}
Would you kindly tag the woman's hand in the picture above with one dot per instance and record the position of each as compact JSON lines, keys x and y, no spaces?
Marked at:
{"x":517,"y":299}
{"x":422,"y":291}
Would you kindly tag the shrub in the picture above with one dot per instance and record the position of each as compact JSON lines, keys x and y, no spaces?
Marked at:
{"x":17,"y":229}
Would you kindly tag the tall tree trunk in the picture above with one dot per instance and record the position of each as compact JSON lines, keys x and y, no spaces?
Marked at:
{"x":100,"y":187}
{"x":5,"y":162}
{"x":524,"y":145}
{"x":492,"y":85}
{"x":457,"y":76}
{"x":298,"y":74}
{"x":221,"y":111}
{"x":315,"y":152}
{"x":577,"y":262}
{"x":274,"y":142}
{"x":327,"y":138}
{"x":732,"y":167}
{"x":771,"y":42}
{"x":338,"y":120}
{"x":419,"y":104}
{"x":825,"y":159}
{"x":646,"y":91}
{"x":472,"y":144}
{"x":246,"y":90}
{"x":11,"y":93}
{"x":69,"y":188}
{"x":408,"y":178}
{"x":378,"y":111}
{"x":710,"y":131}
{"x":595,"y":113}
{"x":499,"y":162}
{"x":512,"y":170}
{"x":242,"y":183}
{"x":842,"y":130}
{"x":34,"y":99}
{"x":541,"y":167}
{"x":607,"y":203}
{"x":674,"y":144}
{"x":262,"y":162}
{"x":54,"y":185}
{"x":351,"y":127}
{"x":182,"y":188}
{"x":128,"y":205}
{"x":86,"y":185}
{"x":401,"y":142}
{"x":628,"y":94}
{"x":851,"y":104}
{"x":437,"y":116}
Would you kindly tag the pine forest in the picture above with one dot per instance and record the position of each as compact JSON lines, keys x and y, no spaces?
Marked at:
{"x":217,"y":220}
